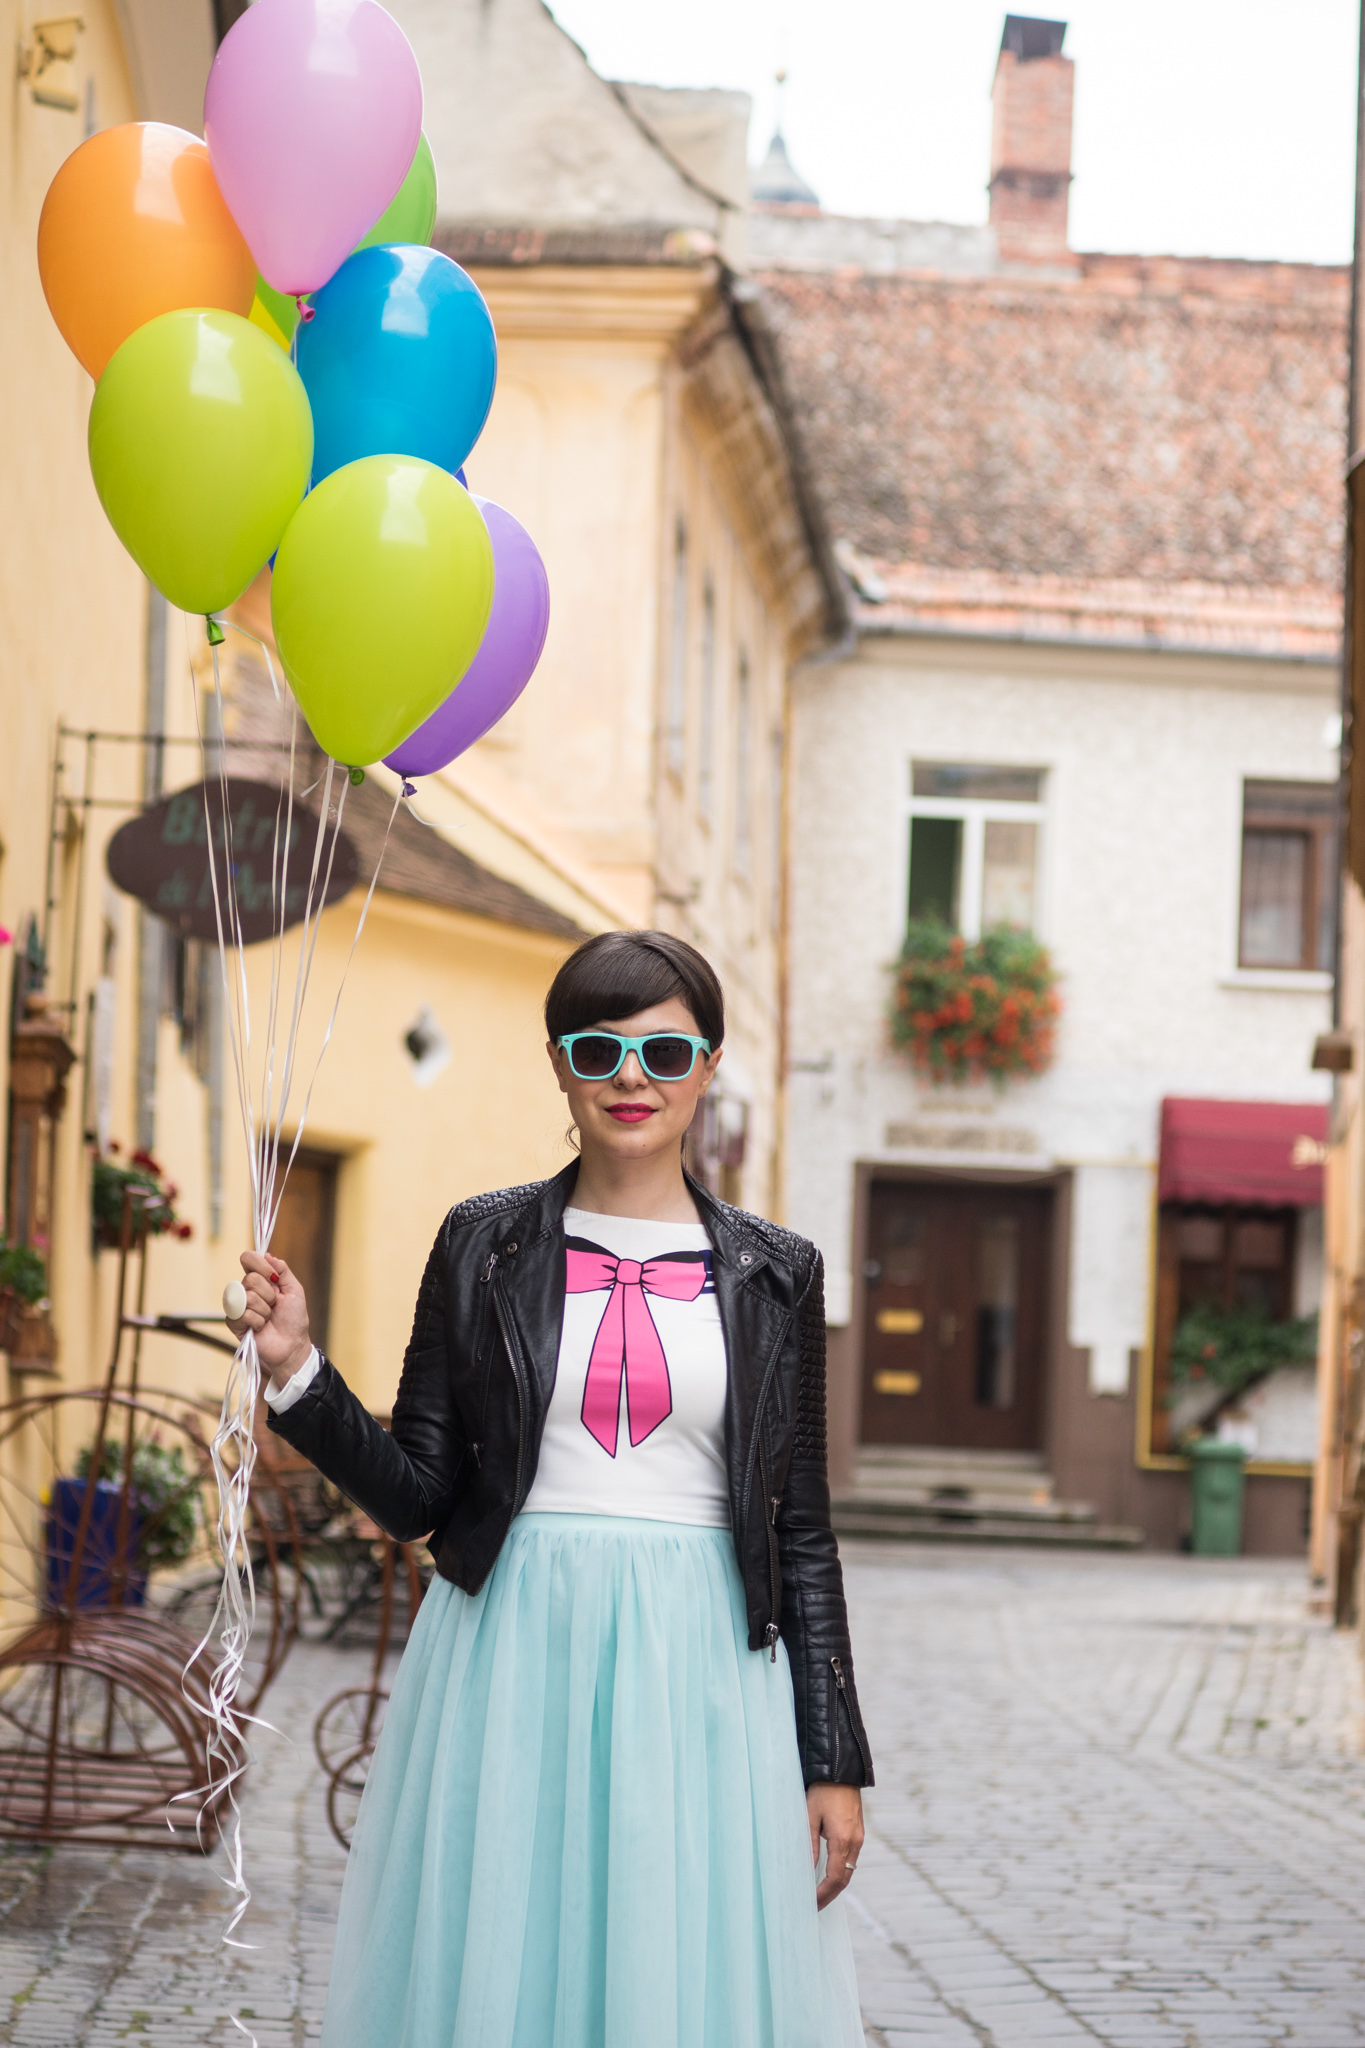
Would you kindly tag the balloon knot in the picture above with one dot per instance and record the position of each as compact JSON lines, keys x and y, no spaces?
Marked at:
{"x":357,"y":776}
{"x":216,"y":634}
{"x":306,"y":312}
{"x":409,"y":789}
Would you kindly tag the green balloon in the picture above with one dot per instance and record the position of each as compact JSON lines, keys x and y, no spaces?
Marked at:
{"x":201,"y":442}
{"x":381,"y":594}
{"x":411,"y":214}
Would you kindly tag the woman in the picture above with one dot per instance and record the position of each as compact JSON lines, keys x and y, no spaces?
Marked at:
{"x":583,"y":1826}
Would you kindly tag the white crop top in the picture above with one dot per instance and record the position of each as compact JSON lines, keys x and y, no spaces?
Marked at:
{"x":637,"y":1418}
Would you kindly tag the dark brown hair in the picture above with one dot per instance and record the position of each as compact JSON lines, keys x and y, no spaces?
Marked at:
{"x":618,"y":973}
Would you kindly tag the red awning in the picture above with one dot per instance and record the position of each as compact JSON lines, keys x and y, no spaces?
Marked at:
{"x":1267,"y":1153}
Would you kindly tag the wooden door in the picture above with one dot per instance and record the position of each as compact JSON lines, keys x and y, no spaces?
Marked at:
{"x":955,"y":1318}
{"x":304,"y":1232}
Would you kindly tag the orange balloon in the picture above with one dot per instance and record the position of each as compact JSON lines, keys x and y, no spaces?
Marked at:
{"x":134,"y":225}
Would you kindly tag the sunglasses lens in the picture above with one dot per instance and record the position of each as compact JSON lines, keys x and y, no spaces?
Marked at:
{"x":595,"y":1058}
{"x":668,"y":1059}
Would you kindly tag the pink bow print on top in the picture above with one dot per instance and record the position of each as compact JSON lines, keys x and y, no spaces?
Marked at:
{"x":627,"y":1345}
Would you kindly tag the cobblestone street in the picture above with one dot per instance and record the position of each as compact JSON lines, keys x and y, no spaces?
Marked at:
{"x":1120,"y":1800}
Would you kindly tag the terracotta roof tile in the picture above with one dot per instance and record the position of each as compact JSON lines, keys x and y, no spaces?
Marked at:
{"x":1157,"y":422}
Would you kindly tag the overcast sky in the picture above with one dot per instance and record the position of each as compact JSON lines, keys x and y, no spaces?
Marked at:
{"x":1203,"y":127}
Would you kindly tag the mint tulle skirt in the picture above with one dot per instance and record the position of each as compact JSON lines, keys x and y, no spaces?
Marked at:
{"x":585,"y":1825}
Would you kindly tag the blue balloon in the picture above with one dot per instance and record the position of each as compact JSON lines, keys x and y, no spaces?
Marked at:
{"x":399,"y":359}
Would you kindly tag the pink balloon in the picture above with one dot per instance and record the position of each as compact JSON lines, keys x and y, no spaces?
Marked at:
{"x":312,"y":116}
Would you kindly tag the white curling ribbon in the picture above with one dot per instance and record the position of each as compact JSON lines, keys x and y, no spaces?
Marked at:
{"x":264,"y":1109}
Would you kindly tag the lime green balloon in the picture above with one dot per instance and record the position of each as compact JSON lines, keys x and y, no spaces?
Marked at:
{"x":411,"y":214}
{"x":201,"y":442}
{"x":284,"y":312}
{"x":382,"y":590}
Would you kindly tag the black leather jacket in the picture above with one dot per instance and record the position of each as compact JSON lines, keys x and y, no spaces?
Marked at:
{"x":477,"y":1377}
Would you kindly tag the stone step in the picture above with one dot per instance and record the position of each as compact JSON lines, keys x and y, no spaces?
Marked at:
{"x":942,"y":1495}
{"x":950,"y":1454}
{"x":969,"y":1508}
{"x":897,"y":1522}
{"x":919,"y":1477}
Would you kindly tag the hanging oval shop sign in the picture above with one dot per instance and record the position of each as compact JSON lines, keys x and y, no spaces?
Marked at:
{"x":162,"y":858}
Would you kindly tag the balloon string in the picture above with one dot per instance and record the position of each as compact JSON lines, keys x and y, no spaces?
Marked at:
{"x":227,"y":1754}
{"x":232,"y":626}
{"x":327,"y":1035}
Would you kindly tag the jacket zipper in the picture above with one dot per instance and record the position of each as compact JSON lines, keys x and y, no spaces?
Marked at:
{"x":771,"y":1632}
{"x":510,"y":1349}
{"x":484,"y":1278}
{"x":758,"y":1421}
{"x":842,"y":1683}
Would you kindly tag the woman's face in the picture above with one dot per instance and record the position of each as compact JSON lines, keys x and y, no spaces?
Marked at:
{"x":631,"y":1116}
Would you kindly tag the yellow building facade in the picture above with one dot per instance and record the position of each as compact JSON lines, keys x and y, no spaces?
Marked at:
{"x":94,"y":667}
{"x":639,"y":436}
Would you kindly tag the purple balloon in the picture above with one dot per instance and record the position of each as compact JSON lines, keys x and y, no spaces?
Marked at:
{"x":507,"y":654}
{"x":312,"y":115}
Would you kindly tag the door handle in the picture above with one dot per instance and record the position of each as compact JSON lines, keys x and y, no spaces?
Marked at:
{"x":899,"y":1322}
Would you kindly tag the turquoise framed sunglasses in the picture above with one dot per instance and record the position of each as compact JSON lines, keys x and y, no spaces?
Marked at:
{"x":664,"y":1055}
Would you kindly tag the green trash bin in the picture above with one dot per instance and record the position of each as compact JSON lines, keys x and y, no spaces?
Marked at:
{"x":1218,"y":1482}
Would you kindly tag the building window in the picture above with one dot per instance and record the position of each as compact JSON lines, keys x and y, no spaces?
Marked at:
{"x":1289,"y":875}
{"x":744,"y":766}
{"x":706,"y":745}
{"x":975,"y":835}
{"x":675,"y":728}
{"x":1219,"y":1257}
{"x":777,"y":759}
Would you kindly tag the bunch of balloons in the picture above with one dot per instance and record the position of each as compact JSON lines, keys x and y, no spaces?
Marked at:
{"x":287,"y":371}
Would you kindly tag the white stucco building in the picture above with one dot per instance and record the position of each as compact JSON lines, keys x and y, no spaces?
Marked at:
{"x":1087,"y":506}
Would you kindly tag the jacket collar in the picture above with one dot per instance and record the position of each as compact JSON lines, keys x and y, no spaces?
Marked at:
{"x":543,"y":1216}
{"x":732,"y":1243}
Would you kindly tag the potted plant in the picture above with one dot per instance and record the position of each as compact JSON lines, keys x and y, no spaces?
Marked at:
{"x":157,"y":1528}
{"x":154,"y":1199}
{"x":969,"y":1010}
{"x":1219,"y":1353}
{"x":25,"y":1326}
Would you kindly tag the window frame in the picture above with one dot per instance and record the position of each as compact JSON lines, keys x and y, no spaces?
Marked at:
{"x":1167,"y":1262}
{"x":974,"y":814}
{"x":745,"y":766}
{"x":1322,"y":869}
{"x":706,"y":708}
{"x":676,"y":681}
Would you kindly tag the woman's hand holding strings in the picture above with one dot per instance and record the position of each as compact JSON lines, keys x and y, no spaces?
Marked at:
{"x":836,"y":1813}
{"x":277,"y":1313}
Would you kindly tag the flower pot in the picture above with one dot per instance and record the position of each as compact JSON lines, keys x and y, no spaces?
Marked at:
{"x":103,"y":1567}
{"x":26,"y":1331}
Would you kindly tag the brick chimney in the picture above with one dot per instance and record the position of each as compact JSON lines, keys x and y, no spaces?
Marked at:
{"x":1031,"y":141}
